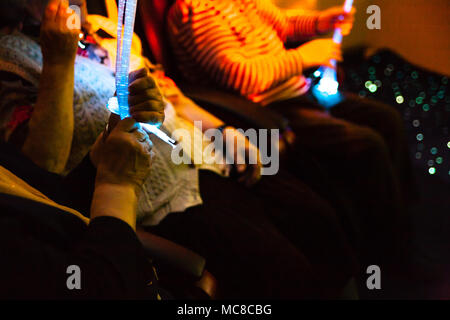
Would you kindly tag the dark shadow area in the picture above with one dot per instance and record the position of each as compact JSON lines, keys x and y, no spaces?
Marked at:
{"x":423,"y":98}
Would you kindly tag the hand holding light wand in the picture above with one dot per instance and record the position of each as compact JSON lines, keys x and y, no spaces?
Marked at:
{"x":119,"y":104}
{"x":326,"y":91}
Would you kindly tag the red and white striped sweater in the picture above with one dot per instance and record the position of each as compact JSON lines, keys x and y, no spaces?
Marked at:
{"x":239,"y":44}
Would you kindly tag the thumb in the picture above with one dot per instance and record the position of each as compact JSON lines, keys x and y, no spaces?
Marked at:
{"x":126,"y":125}
{"x":134,"y":75}
{"x":329,"y":65}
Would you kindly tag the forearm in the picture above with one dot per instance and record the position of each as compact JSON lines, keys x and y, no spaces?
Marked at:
{"x":114,"y":200}
{"x":293,"y":24}
{"x":190,"y":111}
{"x":51,"y":126}
{"x":301,"y":25}
{"x":256,"y":75}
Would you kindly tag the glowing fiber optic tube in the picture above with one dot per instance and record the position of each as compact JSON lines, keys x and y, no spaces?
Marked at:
{"x":119,"y":104}
{"x":113,"y":106}
{"x":328,"y":84}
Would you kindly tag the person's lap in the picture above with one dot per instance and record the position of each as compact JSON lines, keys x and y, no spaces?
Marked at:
{"x":247,"y":254}
{"x":312,"y":225}
{"x":257,"y":240}
{"x":360,"y":145}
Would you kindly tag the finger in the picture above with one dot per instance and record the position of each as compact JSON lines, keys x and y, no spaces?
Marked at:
{"x":329,"y":65}
{"x":148,"y":105}
{"x":337,"y":56}
{"x":62,"y":11}
{"x":51,"y":10}
{"x":148,"y":117}
{"x":251,"y":176}
{"x":112,"y":123}
{"x":141,"y":135}
{"x":241,"y":166}
{"x":346,"y":30}
{"x":140,"y":73}
{"x":255,"y":174}
{"x":126,"y":125}
{"x":141,"y":84}
{"x":145,"y":95}
{"x":146,"y":147}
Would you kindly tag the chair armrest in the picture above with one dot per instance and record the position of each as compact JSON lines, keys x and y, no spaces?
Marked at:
{"x":171,"y":254}
{"x":249,"y":112}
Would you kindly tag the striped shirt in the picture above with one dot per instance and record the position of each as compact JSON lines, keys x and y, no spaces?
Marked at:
{"x":239,"y":45}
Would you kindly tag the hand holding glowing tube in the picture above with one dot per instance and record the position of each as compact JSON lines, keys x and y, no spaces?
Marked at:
{"x":326,"y":91}
{"x":119,"y":104}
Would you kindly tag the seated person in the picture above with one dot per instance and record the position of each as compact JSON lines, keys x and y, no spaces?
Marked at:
{"x":42,"y":239}
{"x":239,"y":45}
{"x":221,"y":230}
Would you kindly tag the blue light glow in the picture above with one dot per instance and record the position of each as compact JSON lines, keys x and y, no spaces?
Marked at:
{"x":326,"y":91}
{"x":119,"y":104}
{"x":113,"y":106}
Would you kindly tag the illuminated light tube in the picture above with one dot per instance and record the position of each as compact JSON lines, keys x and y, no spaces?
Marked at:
{"x":113,"y":106}
{"x":326,"y":91}
{"x":119,"y":104}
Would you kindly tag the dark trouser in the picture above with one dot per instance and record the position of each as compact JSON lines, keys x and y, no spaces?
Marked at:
{"x":276,"y":240}
{"x":361,"y":146}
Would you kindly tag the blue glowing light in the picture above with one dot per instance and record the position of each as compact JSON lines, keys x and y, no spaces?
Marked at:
{"x":119,"y":104}
{"x":326,"y":91}
{"x":113,"y":106}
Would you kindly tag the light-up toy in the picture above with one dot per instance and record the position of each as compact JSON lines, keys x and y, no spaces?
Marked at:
{"x":119,"y":104}
{"x":326,"y":91}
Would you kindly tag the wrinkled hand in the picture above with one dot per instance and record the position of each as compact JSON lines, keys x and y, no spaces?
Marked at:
{"x":336,"y":17}
{"x":319,"y":53}
{"x":58,"y":41}
{"x":243,"y":151}
{"x":145,"y":99}
{"x":124,"y":156}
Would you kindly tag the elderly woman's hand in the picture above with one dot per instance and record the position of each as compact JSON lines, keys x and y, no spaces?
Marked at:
{"x":123,"y":157}
{"x":59,"y":38}
{"x":145,"y":99}
{"x":124,"y":161}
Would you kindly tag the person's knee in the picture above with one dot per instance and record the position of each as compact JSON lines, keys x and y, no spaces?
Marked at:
{"x":389,"y":118}
{"x":368,"y":144}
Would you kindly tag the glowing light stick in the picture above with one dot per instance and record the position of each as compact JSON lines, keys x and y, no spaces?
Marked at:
{"x":119,"y":104}
{"x":326,"y":91}
{"x":113,"y":106}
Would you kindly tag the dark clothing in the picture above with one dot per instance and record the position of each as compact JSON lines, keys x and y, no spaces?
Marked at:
{"x":39,"y":242}
{"x":361,"y":146}
{"x":276,"y":240}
